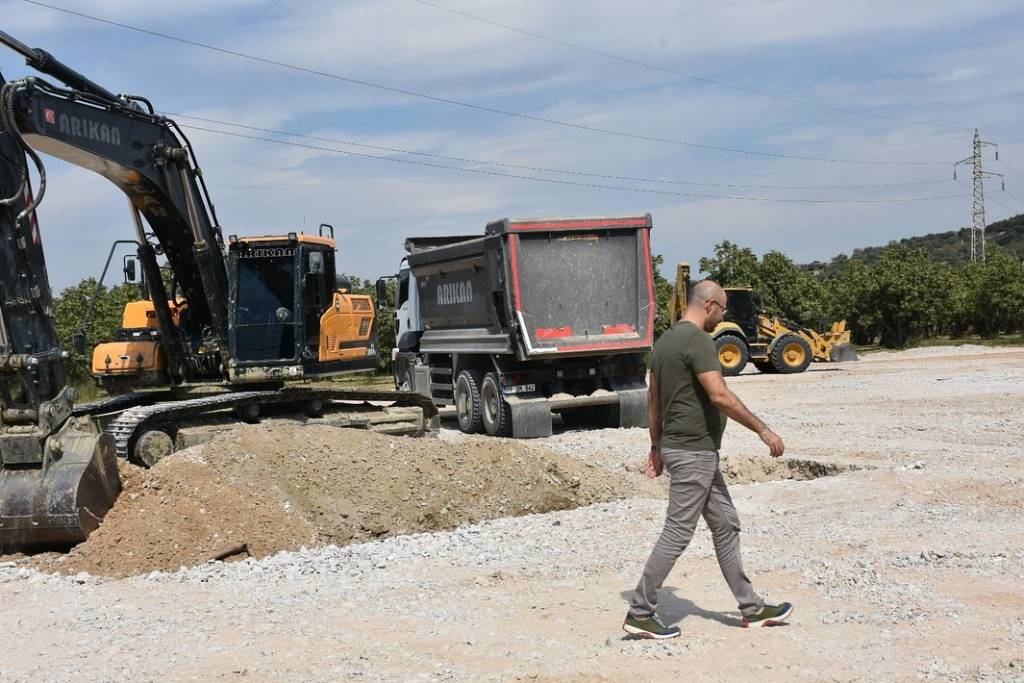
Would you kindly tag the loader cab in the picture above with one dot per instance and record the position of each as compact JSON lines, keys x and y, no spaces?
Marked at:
{"x":742,"y":309}
{"x":290,"y":316}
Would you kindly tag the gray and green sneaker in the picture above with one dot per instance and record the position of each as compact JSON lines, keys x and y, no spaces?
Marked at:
{"x":769,"y":615}
{"x":651,"y":627}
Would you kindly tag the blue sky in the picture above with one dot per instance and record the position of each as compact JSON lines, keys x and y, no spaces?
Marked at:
{"x":947,"y":62}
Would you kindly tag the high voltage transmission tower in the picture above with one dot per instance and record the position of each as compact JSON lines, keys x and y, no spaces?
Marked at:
{"x":978,"y":195}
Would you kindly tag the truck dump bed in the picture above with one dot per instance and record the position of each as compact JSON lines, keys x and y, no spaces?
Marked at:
{"x":581,"y":285}
{"x":540,"y":288}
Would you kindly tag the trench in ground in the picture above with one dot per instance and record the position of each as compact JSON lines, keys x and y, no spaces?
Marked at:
{"x":260,"y":489}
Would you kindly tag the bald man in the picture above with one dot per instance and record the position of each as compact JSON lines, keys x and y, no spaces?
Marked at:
{"x":687,"y":407}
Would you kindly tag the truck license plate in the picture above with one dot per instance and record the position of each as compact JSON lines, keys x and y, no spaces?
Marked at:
{"x":519,"y":388}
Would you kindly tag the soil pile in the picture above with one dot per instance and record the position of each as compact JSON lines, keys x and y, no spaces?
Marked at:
{"x":258,"y":490}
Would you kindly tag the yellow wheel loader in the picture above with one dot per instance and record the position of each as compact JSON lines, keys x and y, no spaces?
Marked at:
{"x":773,"y":345}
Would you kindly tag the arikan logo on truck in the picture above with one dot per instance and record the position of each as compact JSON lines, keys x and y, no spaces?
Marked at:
{"x":455,"y":293}
{"x":79,"y":127}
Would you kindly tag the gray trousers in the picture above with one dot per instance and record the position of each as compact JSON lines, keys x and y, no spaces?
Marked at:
{"x":697,"y":488}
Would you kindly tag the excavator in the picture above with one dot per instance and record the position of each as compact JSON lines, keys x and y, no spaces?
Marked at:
{"x":226,"y":332}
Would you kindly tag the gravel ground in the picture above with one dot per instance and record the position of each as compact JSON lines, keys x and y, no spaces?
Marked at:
{"x":908,"y":567}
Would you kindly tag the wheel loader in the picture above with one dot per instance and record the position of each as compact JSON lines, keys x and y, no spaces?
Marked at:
{"x":772,"y":344}
{"x":225,"y":338}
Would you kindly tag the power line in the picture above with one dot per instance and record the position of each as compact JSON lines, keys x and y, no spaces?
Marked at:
{"x":680,"y":74}
{"x":991,"y":199}
{"x":543,"y":169}
{"x":1013,"y":195}
{"x":1010,"y":167}
{"x":1007,"y":149}
{"x":557,"y":181}
{"x":478,"y":107}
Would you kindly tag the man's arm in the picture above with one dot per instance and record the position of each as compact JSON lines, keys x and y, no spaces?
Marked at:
{"x":654,"y":462}
{"x":730,"y":404}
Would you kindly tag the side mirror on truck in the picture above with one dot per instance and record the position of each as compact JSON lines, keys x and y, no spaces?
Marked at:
{"x":382,"y":293}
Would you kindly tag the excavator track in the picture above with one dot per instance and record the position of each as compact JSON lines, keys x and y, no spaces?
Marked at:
{"x":136,"y":420}
{"x":120,"y":403}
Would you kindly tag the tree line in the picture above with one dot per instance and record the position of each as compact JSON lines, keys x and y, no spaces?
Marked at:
{"x":893,"y":296}
{"x":902,"y":296}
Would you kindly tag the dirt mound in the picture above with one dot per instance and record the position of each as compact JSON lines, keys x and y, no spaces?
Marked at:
{"x":281,"y":487}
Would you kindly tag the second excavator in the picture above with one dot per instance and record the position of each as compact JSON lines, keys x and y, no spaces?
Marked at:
{"x":226,"y":331}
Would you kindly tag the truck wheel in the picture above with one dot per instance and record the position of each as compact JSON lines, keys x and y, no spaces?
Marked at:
{"x":765,"y":366}
{"x":496,"y":412}
{"x":732,"y":354}
{"x":791,"y":354}
{"x":467,"y":402}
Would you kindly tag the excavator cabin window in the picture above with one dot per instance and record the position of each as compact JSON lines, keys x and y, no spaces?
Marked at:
{"x":265,"y":309}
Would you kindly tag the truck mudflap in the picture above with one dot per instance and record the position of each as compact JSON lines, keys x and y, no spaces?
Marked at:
{"x":58,"y":504}
{"x":531,"y":417}
{"x":632,"y":404}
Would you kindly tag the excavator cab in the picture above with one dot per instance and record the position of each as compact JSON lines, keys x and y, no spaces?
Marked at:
{"x":289,"y":315}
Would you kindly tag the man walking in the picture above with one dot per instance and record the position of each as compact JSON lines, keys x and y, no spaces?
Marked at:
{"x":688,"y":403}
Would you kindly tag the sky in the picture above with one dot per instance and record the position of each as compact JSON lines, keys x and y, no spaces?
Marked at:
{"x":919,"y":75}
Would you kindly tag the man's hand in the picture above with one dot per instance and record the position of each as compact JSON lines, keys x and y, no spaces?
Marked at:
{"x":773,"y":441}
{"x":654,"y":464}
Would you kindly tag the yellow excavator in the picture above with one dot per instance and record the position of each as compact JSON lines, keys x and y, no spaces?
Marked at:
{"x":773,"y":345}
{"x":225,"y":332}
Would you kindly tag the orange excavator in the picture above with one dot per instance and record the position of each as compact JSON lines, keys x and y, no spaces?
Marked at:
{"x":228,"y":330}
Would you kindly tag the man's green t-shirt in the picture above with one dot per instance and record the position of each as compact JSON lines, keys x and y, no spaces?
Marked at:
{"x":690,"y":421}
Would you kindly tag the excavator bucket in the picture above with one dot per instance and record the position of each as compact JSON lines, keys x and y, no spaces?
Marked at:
{"x":57,"y":505}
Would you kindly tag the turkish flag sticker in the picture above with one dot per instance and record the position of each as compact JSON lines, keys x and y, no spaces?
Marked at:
{"x":50,"y":116}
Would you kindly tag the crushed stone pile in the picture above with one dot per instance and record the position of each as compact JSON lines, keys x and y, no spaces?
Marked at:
{"x":258,"y":490}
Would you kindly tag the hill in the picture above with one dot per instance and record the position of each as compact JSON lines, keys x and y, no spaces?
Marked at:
{"x":952,"y":247}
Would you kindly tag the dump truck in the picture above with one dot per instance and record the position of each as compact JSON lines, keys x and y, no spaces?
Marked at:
{"x":772,"y":344}
{"x":530,"y":318}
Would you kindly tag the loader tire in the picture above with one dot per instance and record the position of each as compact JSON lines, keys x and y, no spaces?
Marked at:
{"x":732,"y":354}
{"x":791,"y":354}
{"x":766,"y":367}
{"x":467,"y":402}
{"x":495,"y":410}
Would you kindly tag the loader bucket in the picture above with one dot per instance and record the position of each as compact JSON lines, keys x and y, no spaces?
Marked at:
{"x":843,"y":352}
{"x":59,"y":505}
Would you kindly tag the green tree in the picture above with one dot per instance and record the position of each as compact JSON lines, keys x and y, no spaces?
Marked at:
{"x":910,"y":295}
{"x":732,"y":266}
{"x":662,"y":296}
{"x":996,"y":294}
{"x":792,"y":293}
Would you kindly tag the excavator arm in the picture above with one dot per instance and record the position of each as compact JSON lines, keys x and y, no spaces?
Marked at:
{"x":142,"y":154}
{"x":148,"y":157}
